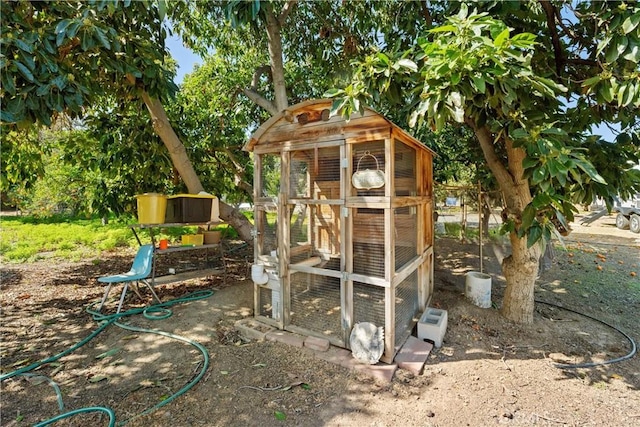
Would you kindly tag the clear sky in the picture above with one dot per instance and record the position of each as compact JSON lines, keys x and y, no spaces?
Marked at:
{"x":185,"y":57}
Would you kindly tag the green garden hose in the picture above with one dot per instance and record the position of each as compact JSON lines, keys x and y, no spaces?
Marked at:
{"x":112,"y":415}
{"x":106,"y":320}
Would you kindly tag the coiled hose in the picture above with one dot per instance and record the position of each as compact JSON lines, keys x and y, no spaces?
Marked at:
{"x":106,"y":320}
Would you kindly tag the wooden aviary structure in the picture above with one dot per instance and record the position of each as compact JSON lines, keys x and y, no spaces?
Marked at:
{"x":343,"y":224}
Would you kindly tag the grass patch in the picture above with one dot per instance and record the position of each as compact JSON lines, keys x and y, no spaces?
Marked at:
{"x":27,"y":239}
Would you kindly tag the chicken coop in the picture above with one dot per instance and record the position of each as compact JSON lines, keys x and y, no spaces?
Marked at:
{"x":343,"y":224}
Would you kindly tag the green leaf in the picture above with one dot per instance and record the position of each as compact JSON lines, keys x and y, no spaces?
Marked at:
{"x":25,"y":71}
{"x":407,"y":63}
{"x":479,"y":83}
{"x":280,"y":416}
{"x":443,"y":29}
{"x":162,"y":9}
{"x":625,"y":95}
{"x":631,"y":23}
{"x":62,"y":25}
{"x":102,"y":37}
{"x":591,"y":81}
{"x":541,"y":200}
{"x":538,"y":176}
{"x":332,"y":93}
{"x":383,"y":58}
{"x":23,"y":46}
{"x":607,"y":90}
{"x":633,"y":54}
{"x":529,"y":162}
{"x":43,"y":89}
{"x":612,"y":53}
{"x":528,"y":215}
{"x":534,"y":234}
{"x":501,"y":38}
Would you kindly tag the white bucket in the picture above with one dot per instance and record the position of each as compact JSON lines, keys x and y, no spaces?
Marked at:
{"x":478,"y":288}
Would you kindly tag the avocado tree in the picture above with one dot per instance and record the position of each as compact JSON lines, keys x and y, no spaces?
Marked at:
{"x":60,"y":57}
{"x":531,"y":83}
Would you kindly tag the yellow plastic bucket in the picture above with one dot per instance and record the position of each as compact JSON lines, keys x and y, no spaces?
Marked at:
{"x":152,"y":208}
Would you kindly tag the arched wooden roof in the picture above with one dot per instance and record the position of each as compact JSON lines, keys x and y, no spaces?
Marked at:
{"x":309,"y":120}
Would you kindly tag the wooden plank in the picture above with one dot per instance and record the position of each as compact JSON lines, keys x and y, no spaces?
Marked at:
{"x":299,"y":201}
{"x":403,"y":202}
{"x":284,"y":237}
{"x":368,"y":135}
{"x":314,"y":270}
{"x":390,"y":320}
{"x":389,"y":245}
{"x":188,"y":275}
{"x":346,"y":248}
{"x":186,"y":248}
{"x":377,"y":202}
{"x":390,"y":167}
{"x":408,"y":269}
{"x":297,"y":250}
{"x":369,"y":280}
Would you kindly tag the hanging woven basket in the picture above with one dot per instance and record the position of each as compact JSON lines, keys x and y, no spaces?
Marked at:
{"x":368,"y":179}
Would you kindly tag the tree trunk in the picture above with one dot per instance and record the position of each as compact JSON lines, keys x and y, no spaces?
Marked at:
{"x":275,"y":59}
{"x":521,"y":267}
{"x":520,"y":271}
{"x":183,"y":165}
{"x":178,"y":153}
{"x":486,"y":215}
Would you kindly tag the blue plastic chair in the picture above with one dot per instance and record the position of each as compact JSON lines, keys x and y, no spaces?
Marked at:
{"x":140,"y":271}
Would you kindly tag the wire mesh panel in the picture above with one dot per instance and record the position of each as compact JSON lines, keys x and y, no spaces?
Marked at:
{"x":315,"y":304}
{"x":407,"y":306}
{"x":405,"y":228}
{"x":267,"y":225}
{"x":269,"y":303}
{"x":368,"y":156}
{"x":405,"y":170}
{"x":299,"y":223}
{"x":299,"y":178}
{"x":368,"y":304}
{"x":270,"y":175}
{"x":368,"y":242}
{"x":310,"y":168}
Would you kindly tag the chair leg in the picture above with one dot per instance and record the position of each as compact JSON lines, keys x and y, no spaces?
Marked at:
{"x":124,"y":292}
{"x":104,"y":298}
{"x":136,"y":289}
{"x":155,"y":296}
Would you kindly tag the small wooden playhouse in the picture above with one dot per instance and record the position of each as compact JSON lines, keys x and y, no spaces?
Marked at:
{"x":343,"y":224}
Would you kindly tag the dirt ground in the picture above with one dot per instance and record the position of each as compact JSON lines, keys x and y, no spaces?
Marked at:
{"x":488,"y":371}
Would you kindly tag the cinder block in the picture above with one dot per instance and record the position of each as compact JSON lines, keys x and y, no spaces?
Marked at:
{"x":316,"y":343}
{"x":284,"y":337}
{"x":433,"y":325}
{"x":251,"y":329}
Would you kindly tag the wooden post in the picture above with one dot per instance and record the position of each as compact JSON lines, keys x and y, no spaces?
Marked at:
{"x":480,"y":221}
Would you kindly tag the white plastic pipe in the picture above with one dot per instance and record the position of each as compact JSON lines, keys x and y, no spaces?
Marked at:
{"x":258,"y":275}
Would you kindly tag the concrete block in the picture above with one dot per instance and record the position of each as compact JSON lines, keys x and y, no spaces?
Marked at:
{"x":317,"y":344}
{"x":285,"y":337}
{"x":413,"y":355}
{"x":433,"y":325}
{"x":251,"y":329}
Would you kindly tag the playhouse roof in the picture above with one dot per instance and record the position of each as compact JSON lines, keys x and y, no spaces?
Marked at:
{"x":291,"y":114}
